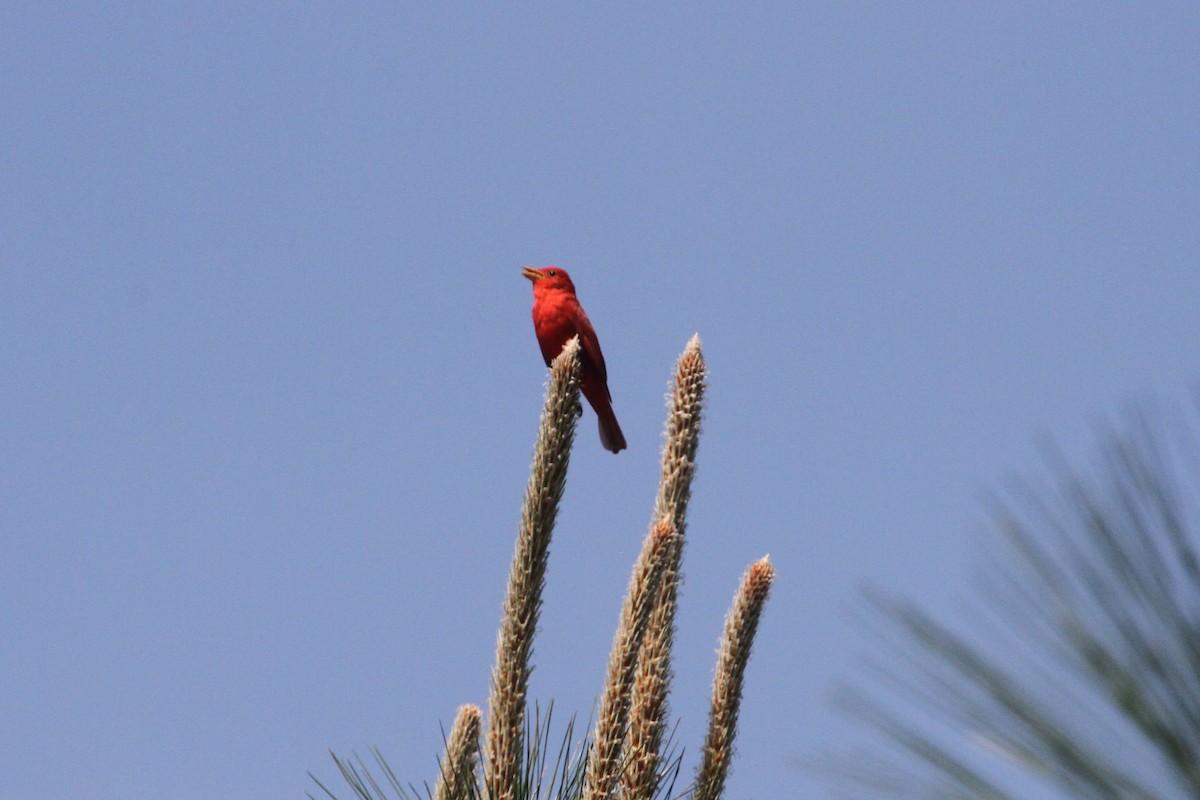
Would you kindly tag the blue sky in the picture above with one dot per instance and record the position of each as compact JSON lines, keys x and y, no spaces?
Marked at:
{"x":271,"y":383}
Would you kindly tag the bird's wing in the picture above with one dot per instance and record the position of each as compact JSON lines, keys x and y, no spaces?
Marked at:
{"x":590,"y":343}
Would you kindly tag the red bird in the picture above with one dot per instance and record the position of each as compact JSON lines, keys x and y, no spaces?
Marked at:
{"x":557,"y":316}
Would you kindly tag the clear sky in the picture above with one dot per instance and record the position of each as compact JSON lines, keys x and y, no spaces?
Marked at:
{"x":271,"y":387}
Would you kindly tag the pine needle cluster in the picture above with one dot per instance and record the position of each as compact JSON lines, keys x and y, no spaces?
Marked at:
{"x":1079,"y":675}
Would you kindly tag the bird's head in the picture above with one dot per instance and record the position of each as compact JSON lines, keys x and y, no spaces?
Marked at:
{"x":549,"y":279}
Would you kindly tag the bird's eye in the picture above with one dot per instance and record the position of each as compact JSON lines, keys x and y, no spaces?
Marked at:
{"x":553,"y":273}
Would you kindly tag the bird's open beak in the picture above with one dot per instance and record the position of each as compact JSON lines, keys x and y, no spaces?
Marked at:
{"x":533,"y":274}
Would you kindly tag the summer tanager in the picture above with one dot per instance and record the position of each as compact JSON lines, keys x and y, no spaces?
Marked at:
{"x":557,"y":316}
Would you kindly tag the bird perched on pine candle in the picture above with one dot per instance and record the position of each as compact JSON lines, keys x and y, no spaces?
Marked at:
{"x":557,"y":316}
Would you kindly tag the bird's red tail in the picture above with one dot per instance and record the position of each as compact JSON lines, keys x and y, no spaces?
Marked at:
{"x":610,"y":432}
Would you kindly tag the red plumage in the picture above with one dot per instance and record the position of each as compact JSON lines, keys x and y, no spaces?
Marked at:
{"x":557,"y":316}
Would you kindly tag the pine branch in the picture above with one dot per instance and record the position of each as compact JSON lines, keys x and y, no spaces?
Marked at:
{"x":734,"y":653}
{"x":457,"y":779}
{"x":648,"y":719}
{"x":604,"y":760}
{"x":522,"y":603}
